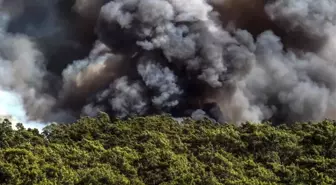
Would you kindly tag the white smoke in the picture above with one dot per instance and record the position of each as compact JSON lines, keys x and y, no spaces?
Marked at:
{"x":314,"y":17}
{"x":11,"y":108}
{"x":21,"y":73}
{"x":163,"y":81}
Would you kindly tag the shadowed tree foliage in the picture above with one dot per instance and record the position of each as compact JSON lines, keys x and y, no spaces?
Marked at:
{"x":158,"y":150}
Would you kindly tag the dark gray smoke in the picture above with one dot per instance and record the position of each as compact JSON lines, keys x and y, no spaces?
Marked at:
{"x":228,"y":60}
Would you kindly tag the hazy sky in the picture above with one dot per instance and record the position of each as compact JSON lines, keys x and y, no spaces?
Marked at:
{"x":11,"y":105}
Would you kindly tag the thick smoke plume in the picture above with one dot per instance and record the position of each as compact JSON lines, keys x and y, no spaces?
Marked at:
{"x":228,"y":60}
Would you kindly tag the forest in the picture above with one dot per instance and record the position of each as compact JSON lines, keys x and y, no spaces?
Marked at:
{"x":159,"y":150}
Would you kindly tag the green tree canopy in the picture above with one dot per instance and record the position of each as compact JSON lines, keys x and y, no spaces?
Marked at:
{"x":158,"y":150}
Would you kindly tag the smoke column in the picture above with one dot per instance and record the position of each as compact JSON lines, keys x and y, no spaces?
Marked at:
{"x":228,"y":60}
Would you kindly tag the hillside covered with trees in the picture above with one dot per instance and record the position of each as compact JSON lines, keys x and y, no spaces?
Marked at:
{"x":159,"y":150}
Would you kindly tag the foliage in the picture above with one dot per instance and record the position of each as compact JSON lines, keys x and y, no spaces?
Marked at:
{"x":159,"y":150}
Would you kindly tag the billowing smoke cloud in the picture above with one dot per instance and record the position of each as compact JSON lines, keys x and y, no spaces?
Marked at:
{"x":228,"y":60}
{"x":22,"y":71}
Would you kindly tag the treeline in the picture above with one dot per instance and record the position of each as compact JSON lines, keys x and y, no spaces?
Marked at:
{"x":158,"y":150}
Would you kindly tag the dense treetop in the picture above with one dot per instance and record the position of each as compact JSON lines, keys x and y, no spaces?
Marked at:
{"x":159,"y":150}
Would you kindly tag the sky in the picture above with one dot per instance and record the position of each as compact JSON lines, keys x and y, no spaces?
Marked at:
{"x":11,"y":105}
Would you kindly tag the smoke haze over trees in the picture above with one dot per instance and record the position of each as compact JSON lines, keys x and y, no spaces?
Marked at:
{"x":230,"y":60}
